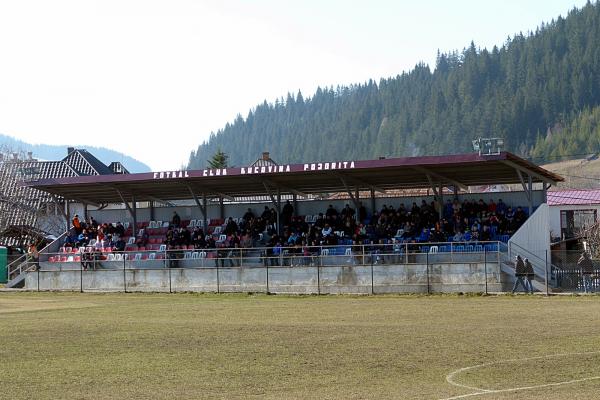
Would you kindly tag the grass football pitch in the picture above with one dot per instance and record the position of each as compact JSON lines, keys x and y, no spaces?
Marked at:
{"x":160,"y":346}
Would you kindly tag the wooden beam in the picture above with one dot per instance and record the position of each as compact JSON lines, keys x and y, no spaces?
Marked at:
{"x":528,"y":172}
{"x":441,"y":177}
{"x":359,"y":182}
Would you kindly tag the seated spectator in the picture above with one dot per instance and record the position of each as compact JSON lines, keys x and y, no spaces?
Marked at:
{"x":458,"y":236}
{"x":327,"y":230}
{"x":119,"y":245}
{"x":120,"y":229}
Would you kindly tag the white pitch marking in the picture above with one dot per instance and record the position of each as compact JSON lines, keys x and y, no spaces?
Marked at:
{"x":481,"y":391}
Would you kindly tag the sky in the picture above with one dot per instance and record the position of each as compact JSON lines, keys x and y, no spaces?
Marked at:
{"x":153,"y":78}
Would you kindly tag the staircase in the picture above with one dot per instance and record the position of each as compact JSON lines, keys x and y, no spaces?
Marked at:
{"x":18,"y":269}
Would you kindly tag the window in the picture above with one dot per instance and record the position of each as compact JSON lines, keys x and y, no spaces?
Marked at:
{"x":572,"y":222}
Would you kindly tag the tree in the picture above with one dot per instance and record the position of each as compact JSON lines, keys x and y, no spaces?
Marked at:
{"x":218,"y":160}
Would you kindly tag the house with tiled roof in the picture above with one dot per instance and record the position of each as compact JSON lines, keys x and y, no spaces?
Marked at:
{"x":22,"y":206}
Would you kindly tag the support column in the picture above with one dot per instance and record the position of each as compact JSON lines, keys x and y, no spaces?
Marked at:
{"x":441,"y":199}
{"x":151,"y":204}
{"x":85,"y":211}
{"x":134,"y":215}
{"x":373,"y":210}
{"x":295,"y":201}
{"x":278,"y":212}
{"x":530,"y":197}
{"x":204,"y":213}
{"x":67,"y":216}
{"x":221,"y":208}
{"x":357,"y":207}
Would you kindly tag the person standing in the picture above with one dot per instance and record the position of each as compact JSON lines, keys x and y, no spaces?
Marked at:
{"x":519,"y":274}
{"x":587,"y":269}
{"x":34,"y":255}
{"x":529,"y":274}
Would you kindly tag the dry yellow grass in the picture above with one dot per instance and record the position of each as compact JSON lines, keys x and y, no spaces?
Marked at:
{"x":158,"y":346}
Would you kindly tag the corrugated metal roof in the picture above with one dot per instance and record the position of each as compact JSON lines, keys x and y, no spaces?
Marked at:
{"x":573,"y":197}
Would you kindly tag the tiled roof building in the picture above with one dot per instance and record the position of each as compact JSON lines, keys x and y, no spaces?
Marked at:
{"x":21,"y":205}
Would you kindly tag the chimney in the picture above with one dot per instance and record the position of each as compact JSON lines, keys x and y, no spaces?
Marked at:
{"x":30,"y":155}
{"x":70,"y":150}
{"x":265,"y":156}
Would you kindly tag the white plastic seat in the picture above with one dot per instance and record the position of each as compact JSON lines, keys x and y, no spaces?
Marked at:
{"x":163,"y":247}
{"x":138,"y":256}
{"x":325,"y":252}
{"x":152,"y":225}
{"x":111,"y":257}
{"x":140,"y":233}
{"x":126,"y":225}
{"x":152,"y":256}
{"x":348,"y":252}
{"x":217,"y":230}
{"x":195,"y":255}
{"x":192,"y":224}
{"x":92,"y":242}
{"x":433,"y":249}
{"x":165,"y":225}
{"x":158,"y":224}
{"x":131,"y":241}
{"x":187,"y":255}
{"x":118,"y":257}
{"x":203,"y":254}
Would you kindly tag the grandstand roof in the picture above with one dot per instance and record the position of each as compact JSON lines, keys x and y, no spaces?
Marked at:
{"x":310,"y":178}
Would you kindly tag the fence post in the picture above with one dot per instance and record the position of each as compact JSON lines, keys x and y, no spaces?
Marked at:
{"x":81,"y":277}
{"x":267,"y":278}
{"x":319,"y":276}
{"x":372,"y":284}
{"x":546,"y":270}
{"x":124,"y":278}
{"x":38,"y":278}
{"x":218,"y":283}
{"x":485,"y":269}
{"x":427,"y":266}
{"x":170,"y":284}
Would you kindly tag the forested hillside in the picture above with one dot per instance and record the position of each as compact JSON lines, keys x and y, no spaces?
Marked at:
{"x":539,"y":91}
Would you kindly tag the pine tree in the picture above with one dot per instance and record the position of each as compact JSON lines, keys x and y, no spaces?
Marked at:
{"x":218,"y":160}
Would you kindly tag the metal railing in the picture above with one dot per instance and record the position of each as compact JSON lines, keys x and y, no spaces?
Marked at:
{"x":23,"y":263}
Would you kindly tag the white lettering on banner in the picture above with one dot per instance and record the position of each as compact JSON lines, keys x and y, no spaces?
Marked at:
{"x":214,"y":172}
{"x":171,"y":174}
{"x":329,"y":166}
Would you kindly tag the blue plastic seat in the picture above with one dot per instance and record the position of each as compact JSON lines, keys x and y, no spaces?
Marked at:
{"x":469,"y":248}
{"x":459,"y":249}
{"x":478,"y":248}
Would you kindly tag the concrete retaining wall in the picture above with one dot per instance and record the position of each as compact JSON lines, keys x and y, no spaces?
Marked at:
{"x":413,"y":278}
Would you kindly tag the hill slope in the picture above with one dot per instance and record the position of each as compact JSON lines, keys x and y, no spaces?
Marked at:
{"x":517,"y":91}
{"x":52,"y":152}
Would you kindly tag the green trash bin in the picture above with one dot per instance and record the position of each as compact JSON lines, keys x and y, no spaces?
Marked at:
{"x":3,"y":263}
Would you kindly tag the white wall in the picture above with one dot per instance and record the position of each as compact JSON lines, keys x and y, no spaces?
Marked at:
{"x":555,"y":215}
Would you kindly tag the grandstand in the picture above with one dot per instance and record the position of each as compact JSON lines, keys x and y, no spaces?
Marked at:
{"x":367,"y":250}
